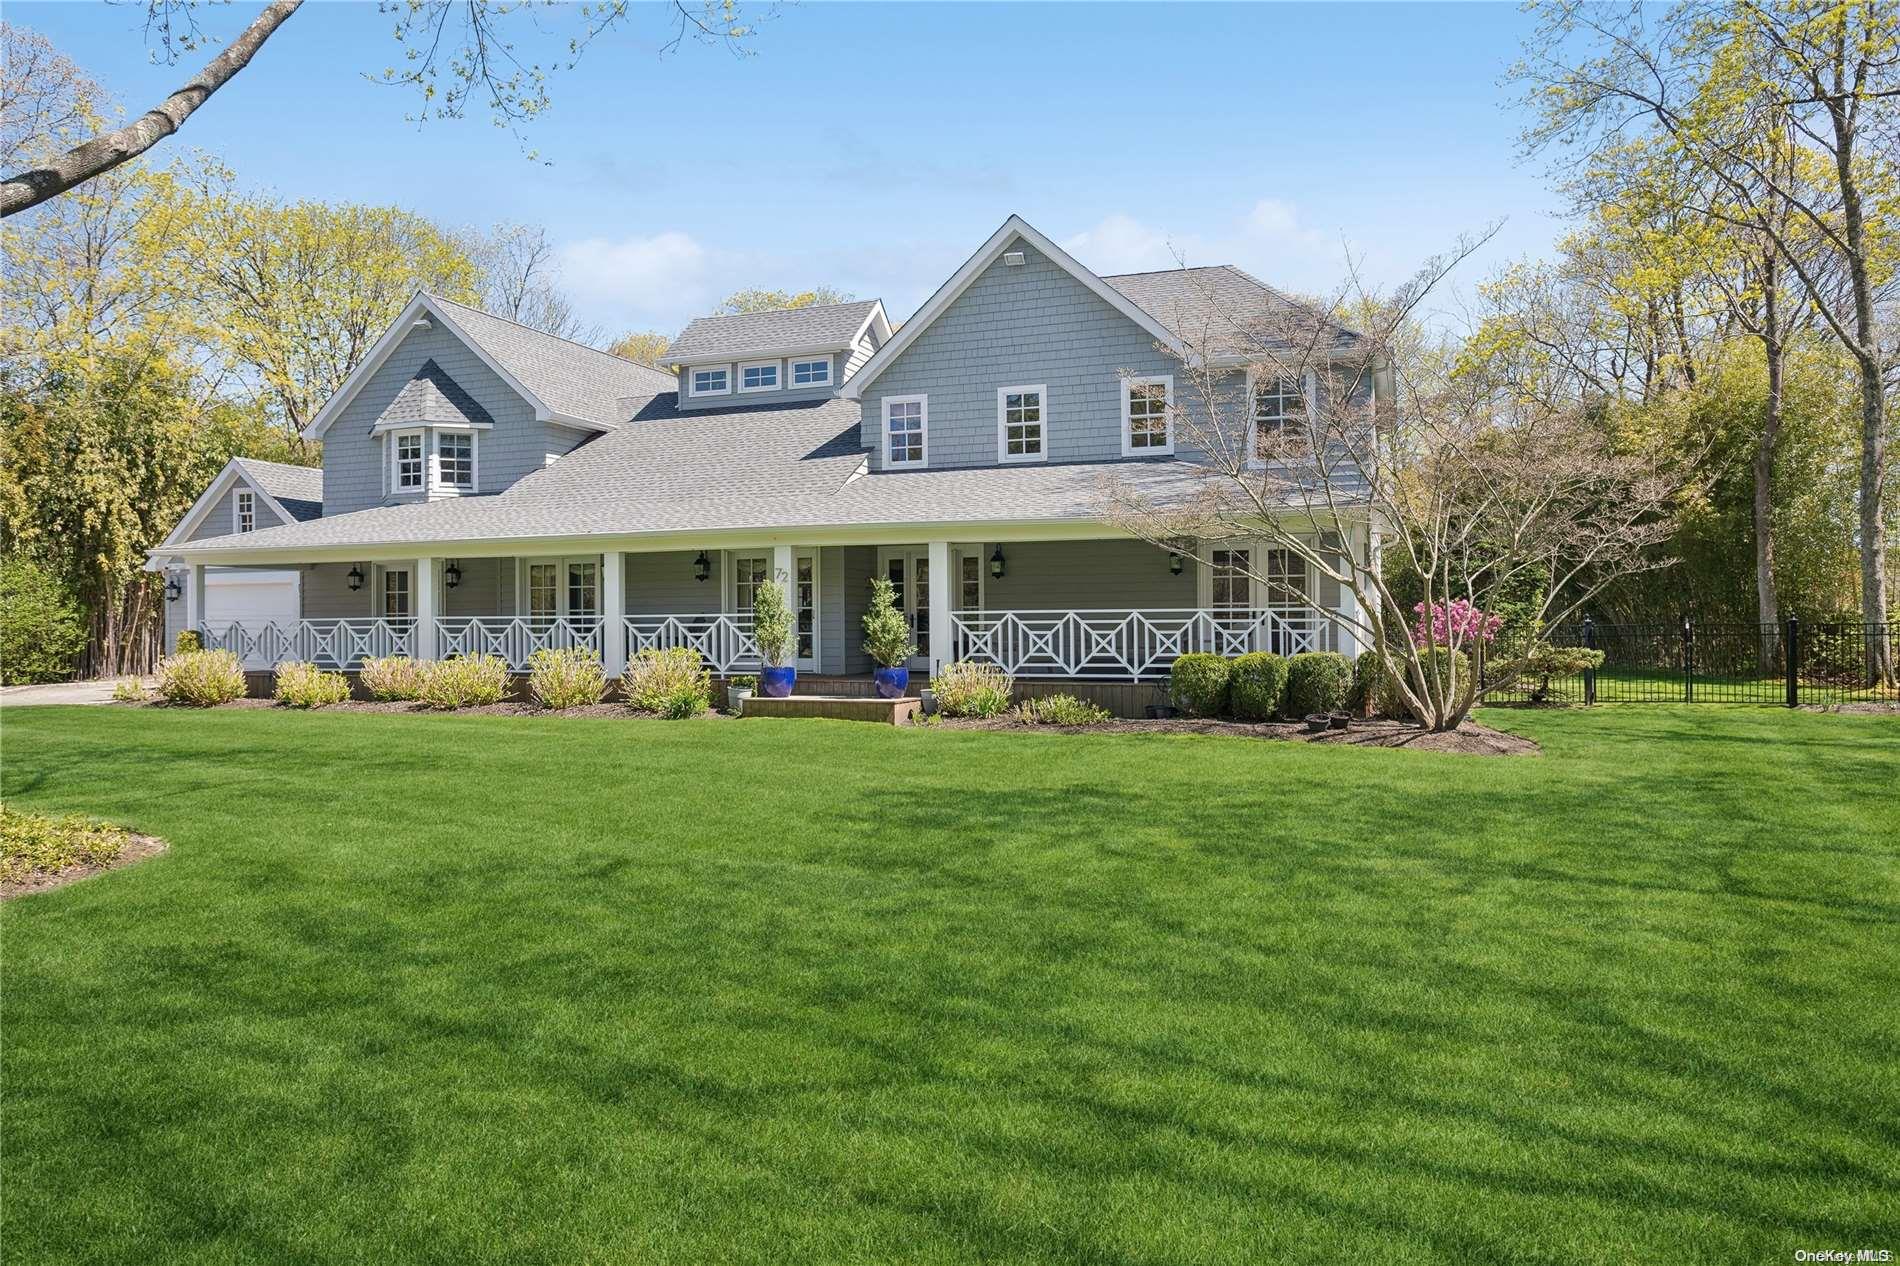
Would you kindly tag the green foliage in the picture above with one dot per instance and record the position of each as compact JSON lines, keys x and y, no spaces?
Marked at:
{"x":393,"y":678}
{"x":1447,"y":669}
{"x":1257,"y":685}
{"x":887,"y":638}
{"x":1317,"y":681}
{"x":570,"y":678}
{"x":776,"y":300}
{"x":302,"y":685}
{"x":1061,"y":710}
{"x":1198,"y":684}
{"x":41,"y":627}
{"x":970,"y":689}
{"x":742,"y":681}
{"x":36,"y":844}
{"x":467,"y":682}
{"x":644,"y":347}
{"x":771,"y":623}
{"x":1368,"y":673}
{"x":1544,"y":661}
{"x":201,"y":679}
{"x":672,"y":683}
{"x":188,"y":640}
{"x":129,"y":690}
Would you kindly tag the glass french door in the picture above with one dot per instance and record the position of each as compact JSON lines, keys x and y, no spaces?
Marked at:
{"x":749,"y":571}
{"x":908,"y":570}
{"x":562,"y":588}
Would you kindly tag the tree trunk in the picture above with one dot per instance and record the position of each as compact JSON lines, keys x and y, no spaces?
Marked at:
{"x":1767,"y":600}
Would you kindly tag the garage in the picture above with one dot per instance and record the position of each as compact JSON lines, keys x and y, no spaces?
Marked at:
{"x":253,"y":599}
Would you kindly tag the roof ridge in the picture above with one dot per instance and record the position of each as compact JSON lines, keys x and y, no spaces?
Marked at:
{"x":765,"y":312}
{"x":265,"y":461}
{"x":1179,"y":268}
{"x":559,"y":338}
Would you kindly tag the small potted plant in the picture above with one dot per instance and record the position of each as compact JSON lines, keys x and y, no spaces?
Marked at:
{"x":887,"y":641}
{"x":739,"y":689}
{"x":772,"y":630}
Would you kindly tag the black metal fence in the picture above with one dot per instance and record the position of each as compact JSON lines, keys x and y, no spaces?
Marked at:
{"x":1794,"y":664}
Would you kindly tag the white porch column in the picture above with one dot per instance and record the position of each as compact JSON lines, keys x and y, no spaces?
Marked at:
{"x":1351,"y":640}
{"x":194,"y":598}
{"x":941,"y":642}
{"x":613,"y":602}
{"x":785,"y":571}
{"x":425,"y":609}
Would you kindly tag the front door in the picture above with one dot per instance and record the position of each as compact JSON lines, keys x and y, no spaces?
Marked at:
{"x":562,"y":588}
{"x":908,"y":570}
{"x":749,"y":571}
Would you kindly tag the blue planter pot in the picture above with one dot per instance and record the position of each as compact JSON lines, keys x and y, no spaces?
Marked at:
{"x":892,"y":683}
{"x":776,"y":683}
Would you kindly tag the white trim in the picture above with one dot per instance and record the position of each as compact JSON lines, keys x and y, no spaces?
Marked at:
{"x":384,"y":428}
{"x":237,"y":509}
{"x":1309,"y":393}
{"x":778,"y":376}
{"x":442,"y":486}
{"x":392,"y":473}
{"x":791,"y":371}
{"x":393,"y":337}
{"x":923,"y":432}
{"x":220,"y":484}
{"x":1042,"y":424}
{"x":876,"y":316}
{"x":1129,"y":383}
{"x":965,"y":276}
{"x":560,"y":563}
{"x":692,"y":387}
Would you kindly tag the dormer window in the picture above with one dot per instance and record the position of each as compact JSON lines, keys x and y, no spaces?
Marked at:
{"x":759,"y":376}
{"x":408,"y":471}
{"x":710,"y":380}
{"x":246,"y":510}
{"x":455,"y":460}
{"x":812,"y":373}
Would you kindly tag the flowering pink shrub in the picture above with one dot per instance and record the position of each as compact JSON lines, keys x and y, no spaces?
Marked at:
{"x":1446,"y":620}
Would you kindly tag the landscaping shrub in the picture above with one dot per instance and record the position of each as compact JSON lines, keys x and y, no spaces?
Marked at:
{"x":188,"y":640}
{"x":1198,"y":684}
{"x":201,"y":679}
{"x":571,"y":678}
{"x":1061,"y":710}
{"x":302,"y":685}
{"x":1545,"y":661}
{"x":35,"y":844}
{"x":393,"y":678}
{"x":130,"y":690}
{"x":1392,"y":703}
{"x":969,"y":689}
{"x":42,"y":629}
{"x":672,"y":683}
{"x":771,"y":623}
{"x":1317,"y":681}
{"x":1368,"y":672}
{"x":1256,"y":685}
{"x":467,"y":682}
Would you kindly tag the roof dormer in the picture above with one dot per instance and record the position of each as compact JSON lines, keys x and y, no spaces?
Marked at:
{"x":766,"y":357}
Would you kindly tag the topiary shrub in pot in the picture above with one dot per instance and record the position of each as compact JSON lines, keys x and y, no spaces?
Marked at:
{"x":1256,"y":686}
{"x":1317,"y":682}
{"x":772,"y":630}
{"x":887,"y":640}
{"x":1198,"y":684}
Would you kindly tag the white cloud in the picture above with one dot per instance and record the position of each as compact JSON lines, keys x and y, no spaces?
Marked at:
{"x":1269,"y":240}
{"x":658,"y":282}
{"x":1123,"y":244}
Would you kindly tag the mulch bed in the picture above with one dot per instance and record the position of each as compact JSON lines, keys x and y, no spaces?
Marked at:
{"x":137,"y":849}
{"x":1469,"y":739}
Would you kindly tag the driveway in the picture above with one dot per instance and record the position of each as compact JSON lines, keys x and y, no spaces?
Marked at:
{"x":58,"y":692}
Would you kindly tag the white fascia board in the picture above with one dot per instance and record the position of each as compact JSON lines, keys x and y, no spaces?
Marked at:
{"x":964,"y":277}
{"x":232,"y":474}
{"x":706,"y":360}
{"x":391,"y":339}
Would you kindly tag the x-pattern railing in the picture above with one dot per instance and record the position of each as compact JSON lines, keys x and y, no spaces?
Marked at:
{"x":1123,"y":645}
{"x":332,"y":643}
{"x":515,"y":639}
{"x":725,"y":642}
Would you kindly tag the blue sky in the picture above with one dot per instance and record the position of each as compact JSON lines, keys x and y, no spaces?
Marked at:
{"x":873,"y":147}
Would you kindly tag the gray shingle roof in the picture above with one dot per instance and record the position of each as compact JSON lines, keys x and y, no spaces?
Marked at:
{"x":1224,"y":309}
{"x":824,"y":327}
{"x":570,"y":378}
{"x":299,"y":489}
{"x":432,"y":396}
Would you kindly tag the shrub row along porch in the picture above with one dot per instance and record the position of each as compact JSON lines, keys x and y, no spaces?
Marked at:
{"x":1089,"y":610}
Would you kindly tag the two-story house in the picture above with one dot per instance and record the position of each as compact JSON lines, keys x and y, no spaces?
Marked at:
{"x":490,"y":488}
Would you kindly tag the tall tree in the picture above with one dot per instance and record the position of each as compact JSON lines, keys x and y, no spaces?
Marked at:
{"x":520,"y":280}
{"x":646,"y":346}
{"x":774,"y":300}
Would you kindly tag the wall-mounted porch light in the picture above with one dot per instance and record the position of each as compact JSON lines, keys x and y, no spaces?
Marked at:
{"x":452,"y":575}
{"x":1174,"y":564}
{"x":173,"y":590}
{"x":356,"y":576}
{"x":702,"y":566}
{"x":996,"y":562}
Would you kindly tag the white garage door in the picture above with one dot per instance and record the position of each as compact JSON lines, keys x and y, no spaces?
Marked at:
{"x":253,"y":599}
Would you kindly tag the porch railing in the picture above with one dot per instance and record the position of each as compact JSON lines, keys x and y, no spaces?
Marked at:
{"x":724,"y":641}
{"x":1126,"y":645}
{"x":514,"y":639}
{"x":332,"y":643}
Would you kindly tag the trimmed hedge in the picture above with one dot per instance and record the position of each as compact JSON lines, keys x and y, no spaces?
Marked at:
{"x":1317,"y":681}
{"x":1257,"y":685}
{"x":1198,"y":684}
{"x":1368,"y":672}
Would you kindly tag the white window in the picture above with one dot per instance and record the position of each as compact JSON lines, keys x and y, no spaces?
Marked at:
{"x":455,"y":460}
{"x":1230,"y":581}
{"x":1279,"y":413}
{"x":561,"y":589}
{"x":396,"y":594}
{"x":906,"y":419}
{"x":748,"y":573}
{"x":710,"y":380}
{"x":1146,"y":424}
{"x":246,"y":511}
{"x":762,"y":376}
{"x":408,"y":472}
{"x":812,"y":373}
{"x":1285,"y":581}
{"x":1020,"y":416}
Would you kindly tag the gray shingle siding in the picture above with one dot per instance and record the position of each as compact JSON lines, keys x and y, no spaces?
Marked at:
{"x":222,"y":520}
{"x":1018,"y":326}
{"x":518,"y":445}
{"x":784,"y":393}
{"x":663,"y":584}
{"x":1086,"y":575}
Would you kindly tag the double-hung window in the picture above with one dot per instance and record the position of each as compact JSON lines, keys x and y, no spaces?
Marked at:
{"x":906,"y":420}
{"x":762,"y":376}
{"x":408,"y":470}
{"x":709,"y":380}
{"x":1020,"y":415}
{"x":1147,"y":424}
{"x":246,"y":511}
{"x":1279,"y":413}
{"x":455,"y":460}
{"x":812,"y":373}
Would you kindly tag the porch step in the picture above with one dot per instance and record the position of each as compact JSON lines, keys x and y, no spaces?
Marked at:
{"x":837,"y":707}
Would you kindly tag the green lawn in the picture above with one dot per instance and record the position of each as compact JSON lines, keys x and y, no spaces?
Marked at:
{"x":456,"y":988}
